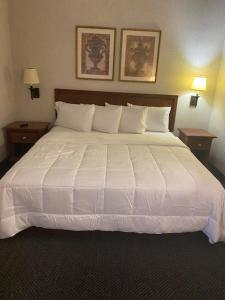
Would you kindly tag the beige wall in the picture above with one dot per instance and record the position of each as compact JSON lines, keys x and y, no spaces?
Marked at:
{"x":7,"y":113}
{"x":217,"y":120}
{"x":43,"y":35}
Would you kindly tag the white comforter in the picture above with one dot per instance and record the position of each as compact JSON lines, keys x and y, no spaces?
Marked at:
{"x":148,"y":183}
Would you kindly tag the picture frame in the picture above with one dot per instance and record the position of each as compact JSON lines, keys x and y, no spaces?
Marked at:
{"x":95,"y":52}
{"x":139,"y":54}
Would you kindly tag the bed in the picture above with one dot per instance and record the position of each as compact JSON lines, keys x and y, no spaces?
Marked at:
{"x":144,"y":183}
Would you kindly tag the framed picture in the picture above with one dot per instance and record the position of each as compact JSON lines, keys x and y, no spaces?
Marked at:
{"x":95,"y":47}
{"x":139,"y":55}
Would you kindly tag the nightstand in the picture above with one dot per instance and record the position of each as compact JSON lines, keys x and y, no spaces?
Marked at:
{"x":22,"y":135}
{"x":198,"y":140}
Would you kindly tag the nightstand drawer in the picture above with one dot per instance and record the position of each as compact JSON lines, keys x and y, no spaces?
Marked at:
{"x":198,"y":140}
{"x":199,"y":144}
{"x":23,"y":137}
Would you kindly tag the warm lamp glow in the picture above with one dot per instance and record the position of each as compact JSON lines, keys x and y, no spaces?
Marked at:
{"x":199,"y":83}
{"x":30,"y":76}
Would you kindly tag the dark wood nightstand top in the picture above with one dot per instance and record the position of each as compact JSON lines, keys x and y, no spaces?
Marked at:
{"x":32,"y":126}
{"x":194,"y":132}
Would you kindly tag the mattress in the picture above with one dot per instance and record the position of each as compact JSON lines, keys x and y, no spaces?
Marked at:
{"x":145,"y":183}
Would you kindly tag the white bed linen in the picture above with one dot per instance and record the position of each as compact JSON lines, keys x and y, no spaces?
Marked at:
{"x":148,"y":183}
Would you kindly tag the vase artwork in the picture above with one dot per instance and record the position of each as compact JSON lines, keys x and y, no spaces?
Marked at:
{"x":139,"y":55}
{"x":95,"y":53}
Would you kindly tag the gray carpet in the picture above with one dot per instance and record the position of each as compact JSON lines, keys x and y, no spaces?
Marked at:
{"x":50,"y":264}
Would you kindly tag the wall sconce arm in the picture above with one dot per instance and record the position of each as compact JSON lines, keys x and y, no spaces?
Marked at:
{"x":34,"y":92}
{"x":194,"y":100}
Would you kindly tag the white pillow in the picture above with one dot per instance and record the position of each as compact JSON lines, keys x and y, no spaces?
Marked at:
{"x":107,"y":118}
{"x":132,"y":119}
{"x":75,"y":116}
{"x":157,"y":118}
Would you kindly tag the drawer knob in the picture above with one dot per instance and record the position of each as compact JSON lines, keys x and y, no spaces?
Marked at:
{"x":199,"y":144}
{"x":24,"y":138}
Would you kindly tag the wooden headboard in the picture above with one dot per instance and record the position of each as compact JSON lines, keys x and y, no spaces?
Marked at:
{"x":99,"y":98}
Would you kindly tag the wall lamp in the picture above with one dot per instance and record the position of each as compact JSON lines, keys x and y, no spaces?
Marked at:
{"x":198,"y":84}
{"x":30,"y":77}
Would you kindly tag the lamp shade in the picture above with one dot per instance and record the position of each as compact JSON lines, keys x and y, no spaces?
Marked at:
{"x":30,"y":76}
{"x":199,"y":83}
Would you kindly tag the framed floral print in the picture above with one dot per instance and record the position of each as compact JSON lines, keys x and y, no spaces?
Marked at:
{"x":95,"y":47}
{"x":139,"y":55}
